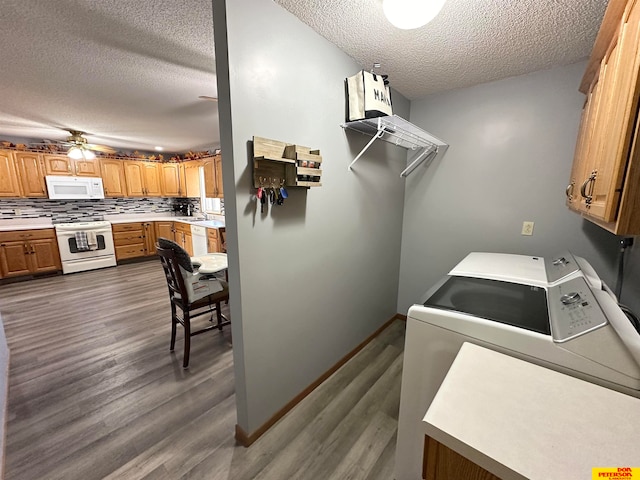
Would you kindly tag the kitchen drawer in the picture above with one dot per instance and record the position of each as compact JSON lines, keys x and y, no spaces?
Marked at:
{"x":126,"y":227}
{"x":128,"y":238}
{"x":182,"y":227}
{"x":19,"y":235}
{"x":130,"y":251}
{"x":212,"y":233}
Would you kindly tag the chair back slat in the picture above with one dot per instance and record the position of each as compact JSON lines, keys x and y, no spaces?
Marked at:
{"x":175,"y":282}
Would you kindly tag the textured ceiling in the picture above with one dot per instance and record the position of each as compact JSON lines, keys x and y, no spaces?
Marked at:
{"x":129,"y":72}
{"x":469,"y":42}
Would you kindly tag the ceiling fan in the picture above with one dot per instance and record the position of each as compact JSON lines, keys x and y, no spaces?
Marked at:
{"x":78,"y":147}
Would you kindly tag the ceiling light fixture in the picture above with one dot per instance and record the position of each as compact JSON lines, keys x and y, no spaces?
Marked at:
{"x":158,"y":149}
{"x":409,"y":14}
{"x":78,"y":153}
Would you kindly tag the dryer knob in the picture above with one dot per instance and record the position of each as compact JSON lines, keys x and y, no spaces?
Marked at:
{"x":570,"y":298}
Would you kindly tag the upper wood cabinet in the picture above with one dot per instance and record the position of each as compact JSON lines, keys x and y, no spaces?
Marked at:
{"x":113,"y":180}
{"x":605,"y":179}
{"x":213,"y":177}
{"x":142,"y":179}
{"x":63,"y":165}
{"x":9,"y":180}
{"x":192,"y":178}
{"x":171,"y":179}
{"x":31,"y":173}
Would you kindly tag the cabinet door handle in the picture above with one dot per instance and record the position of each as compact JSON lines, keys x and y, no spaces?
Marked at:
{"x":589,"y":182}
{"x":569,"y":190}
{"x":26,"y":249}
{"x":69,"y":168}
{"x":33,"y":250}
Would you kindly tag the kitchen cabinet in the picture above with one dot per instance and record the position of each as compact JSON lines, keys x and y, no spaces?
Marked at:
{"x":213,"y":240}
{"x":604,"y":185}
{"x":165,"y":230}
{"x":134,"y":239}
{"x":27,"y":252}
{"x":63,"y":165}
{"x":9,"y":181}
{"x":113,"y":179}
{"x":142,"y":179}
{"x":30,"y":168}
{"x":172,"y":179}
{"x":213,"y":177}
{"x":192,"y":178}
{"x":442,"y":463}
{"x":183,"y":236}
{"x":129,"y":240}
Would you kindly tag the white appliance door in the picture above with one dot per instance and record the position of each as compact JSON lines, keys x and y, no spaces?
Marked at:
{"x":69,"y":250}
{"x":74,"y":188}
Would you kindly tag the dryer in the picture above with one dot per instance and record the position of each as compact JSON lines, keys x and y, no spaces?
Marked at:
{"x":555,"y":312}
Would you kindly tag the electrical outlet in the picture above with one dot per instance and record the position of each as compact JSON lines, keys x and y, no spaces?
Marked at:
{"x":17,"y":211}
{"x":117,"y":209}
{"x":527,"y":228}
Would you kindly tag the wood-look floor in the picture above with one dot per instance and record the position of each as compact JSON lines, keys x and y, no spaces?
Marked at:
{"x":95,"y":393}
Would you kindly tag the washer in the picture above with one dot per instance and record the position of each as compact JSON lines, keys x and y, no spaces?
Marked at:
{"x":556,"y":313}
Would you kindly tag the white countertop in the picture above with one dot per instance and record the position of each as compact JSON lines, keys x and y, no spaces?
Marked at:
{"x":159,"y":217}
{"x":12,"y":224}
{"x":25,"y":224}
{"x":522,"y":421}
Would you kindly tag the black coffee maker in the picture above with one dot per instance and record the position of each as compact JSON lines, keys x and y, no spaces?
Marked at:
{"x":183,"y":209}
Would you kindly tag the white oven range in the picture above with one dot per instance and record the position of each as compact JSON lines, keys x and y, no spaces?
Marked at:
{"x":85,"y":246}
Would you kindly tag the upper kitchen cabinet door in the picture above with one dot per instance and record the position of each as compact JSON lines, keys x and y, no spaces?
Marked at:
{"x":209,"y":178}
{"x":31,"y":172}
{"x":151,"y":174}
{"x":621,"y":120}
{"x":170,"y":179}
{"x":192,"y":178}
{"x":9,"y":181}
{"x":133,"y":173}
{"x":113,"y":178}
{"x":86,"y":168}
{"x":218,"y":170}
{"x":580,"y":159}
{"x":57,"y":165}
{"x":596,"y":136}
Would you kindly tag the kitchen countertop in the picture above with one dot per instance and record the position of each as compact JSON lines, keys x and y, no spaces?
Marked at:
{"x":13,"y":224}
{"x":160,"y":217}
{"x":25,"y":224}
{"x":522,"y":421}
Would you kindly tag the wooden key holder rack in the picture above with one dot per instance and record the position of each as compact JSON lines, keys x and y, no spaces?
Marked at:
{"x":277,"y":164}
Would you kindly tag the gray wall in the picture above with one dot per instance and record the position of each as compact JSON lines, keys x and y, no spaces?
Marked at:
{"x":312,"y":279}
{"x":511,"y":149}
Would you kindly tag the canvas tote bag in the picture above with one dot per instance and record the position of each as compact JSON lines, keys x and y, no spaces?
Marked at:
{"x":368,"y":96}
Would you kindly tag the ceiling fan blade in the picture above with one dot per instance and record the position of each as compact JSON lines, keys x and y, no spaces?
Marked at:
{"x":99,"y":148}
{"x":204,"y":97}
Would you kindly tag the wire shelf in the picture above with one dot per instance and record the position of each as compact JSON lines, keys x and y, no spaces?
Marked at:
{"x":398,"y":131}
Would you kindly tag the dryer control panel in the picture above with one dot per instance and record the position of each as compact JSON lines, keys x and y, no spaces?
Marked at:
{"x":573,"y":310}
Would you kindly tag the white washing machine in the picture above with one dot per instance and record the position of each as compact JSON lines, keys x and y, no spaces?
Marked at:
{"x":555,"y":313}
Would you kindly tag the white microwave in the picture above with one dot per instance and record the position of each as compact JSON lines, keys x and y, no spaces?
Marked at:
{"x":74,"y":188}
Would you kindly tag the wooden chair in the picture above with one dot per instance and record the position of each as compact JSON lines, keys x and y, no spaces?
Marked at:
{"x":179,"y":295}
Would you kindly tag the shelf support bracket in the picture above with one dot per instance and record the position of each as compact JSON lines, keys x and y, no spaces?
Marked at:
{"x":426,"y":153}
{"x":378,"y":134}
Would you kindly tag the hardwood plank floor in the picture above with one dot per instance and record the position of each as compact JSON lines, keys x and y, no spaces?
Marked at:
{"x":95,"y":393}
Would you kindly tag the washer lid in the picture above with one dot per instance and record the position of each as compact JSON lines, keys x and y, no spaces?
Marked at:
{"x":503,"y":266}
{"x":515,"y":304}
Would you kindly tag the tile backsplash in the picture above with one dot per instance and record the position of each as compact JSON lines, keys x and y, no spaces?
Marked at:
{"x":87,"y":210}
